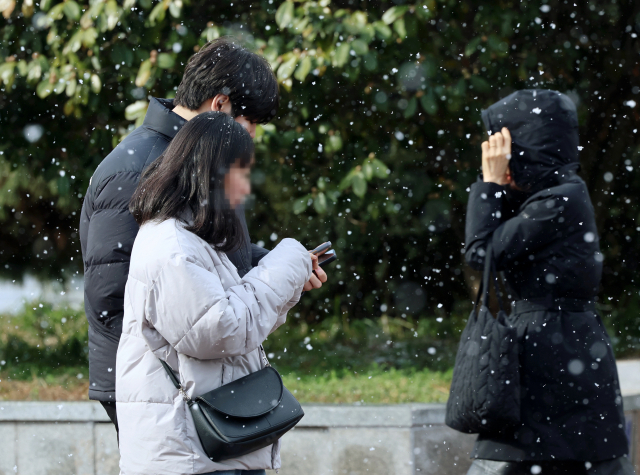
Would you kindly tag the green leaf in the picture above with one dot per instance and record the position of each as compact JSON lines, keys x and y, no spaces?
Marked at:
{"x":95,"y":62}
{"x":496,"y":44}
{"x":400,"y":28}
{"x":158,"y":13}
{"x":370,"y":61}
{"x":472,"y":46}
{"x":341,"y":54}
{"x":45,"y":5}
{"x":7,"y":73}
{"x":144,"y":73}
{"x":270,"y":53}
{"x":56,"y":12}
{"x":411,"y":108}
{"x":23,"y":67}
{"x":300,"y":205}
{"x":70,"y":88}
{"x":96,"y":84}
{"x":59,"y":86}
{"x":333,"y":195}
{"x":303,"y":69}
{"x":89,"y":37}
{"x":113,"y":14}
{"x":320,"y":203}
{"x":175,"y":9}
{"x":74,"y":44}
{"x":44,"y":89}
{"x":34,"y":71}
{"x":359,"y":184}
{"x":346,"y":181}
{"x":334,"y":143}
{"x":480,"y":84}
{"x":367,"y":169}
{"x":368,"y":33}
{"x":382,"y":30}
{"x":429,"y":103}
{"x":211,"y":33}
{"x":284,"y":14}
{"x":136,"y":110}
{"x":380,"y":170}
{"x":286,"y":69}
{"x":360,"y":47}
{"x":166,"y":61}
{"x":393,"y":14}
{"x":71,"y":9}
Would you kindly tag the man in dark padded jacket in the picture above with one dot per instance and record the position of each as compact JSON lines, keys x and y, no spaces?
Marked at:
{"x":222,"y":76}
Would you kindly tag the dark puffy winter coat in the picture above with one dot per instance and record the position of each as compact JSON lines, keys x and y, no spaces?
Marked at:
{"x":545,"y":242}
{"x":107,"y":232}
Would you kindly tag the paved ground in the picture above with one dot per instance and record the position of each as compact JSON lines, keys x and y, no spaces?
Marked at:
{"x":629,"y":372}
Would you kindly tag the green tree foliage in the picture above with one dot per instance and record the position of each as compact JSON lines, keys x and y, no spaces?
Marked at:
{"x":376,"y":141}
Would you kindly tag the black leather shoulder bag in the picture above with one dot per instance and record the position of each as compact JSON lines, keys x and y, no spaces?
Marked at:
{"x":243,"y":416}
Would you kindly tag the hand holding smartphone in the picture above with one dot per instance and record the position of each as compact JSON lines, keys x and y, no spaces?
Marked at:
{"x":325,"y":254}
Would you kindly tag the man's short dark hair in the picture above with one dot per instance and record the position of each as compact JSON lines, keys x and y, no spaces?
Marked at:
{"x":224,"y":67}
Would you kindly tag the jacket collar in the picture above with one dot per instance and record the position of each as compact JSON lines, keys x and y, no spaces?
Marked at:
{"x":161,"y":118}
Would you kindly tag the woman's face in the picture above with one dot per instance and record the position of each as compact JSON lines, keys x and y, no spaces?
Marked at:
{"x":237,"y":184}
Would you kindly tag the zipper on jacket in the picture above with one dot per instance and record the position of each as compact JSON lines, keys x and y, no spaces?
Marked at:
{"x":222,"y":376}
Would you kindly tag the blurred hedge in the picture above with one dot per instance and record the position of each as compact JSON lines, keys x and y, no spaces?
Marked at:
{"x":375,"y":144}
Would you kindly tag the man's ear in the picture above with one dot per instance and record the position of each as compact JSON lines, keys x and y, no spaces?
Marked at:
{"x":221,"y":103}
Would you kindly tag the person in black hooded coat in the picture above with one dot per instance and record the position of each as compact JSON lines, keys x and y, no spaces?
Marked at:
{"x":536,"y":212}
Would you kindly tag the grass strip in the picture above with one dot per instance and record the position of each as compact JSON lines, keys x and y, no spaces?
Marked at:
{"x":376,"y":386}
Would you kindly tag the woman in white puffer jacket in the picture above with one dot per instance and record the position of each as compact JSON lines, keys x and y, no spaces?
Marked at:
{"x":186,"y":304}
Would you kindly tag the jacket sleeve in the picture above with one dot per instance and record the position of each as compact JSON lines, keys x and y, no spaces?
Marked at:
{"x":523,"y":235}
{"x":188,"y":306}
{"x":257,"y":253}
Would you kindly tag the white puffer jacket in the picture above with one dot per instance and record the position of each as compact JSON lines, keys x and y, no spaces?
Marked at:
{"x":186,"y":304}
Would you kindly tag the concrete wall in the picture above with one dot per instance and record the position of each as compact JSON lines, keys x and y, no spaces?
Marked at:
{"x":76,"y":438}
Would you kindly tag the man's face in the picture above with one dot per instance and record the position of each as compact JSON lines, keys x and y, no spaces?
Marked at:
{"x":247,"y":125}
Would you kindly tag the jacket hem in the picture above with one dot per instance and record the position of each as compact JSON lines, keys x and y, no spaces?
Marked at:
{"x":104,"y":396}
{"x":503,"y":452}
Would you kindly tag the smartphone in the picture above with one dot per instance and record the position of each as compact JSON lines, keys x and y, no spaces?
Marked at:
{"x":321,"y":248}
{"x":327,"y":257}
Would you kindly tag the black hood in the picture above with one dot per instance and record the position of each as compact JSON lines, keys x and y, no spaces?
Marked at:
{"x":544,"y":129}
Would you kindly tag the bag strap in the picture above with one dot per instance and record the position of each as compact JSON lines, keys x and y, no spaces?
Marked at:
{"x":176,"y":382}
{"x":264,"y":357}
{"x":489,"y":273}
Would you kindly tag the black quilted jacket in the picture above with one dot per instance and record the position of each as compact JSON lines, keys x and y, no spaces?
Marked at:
{"x":107,"y":232}
{"x":546,"y":243}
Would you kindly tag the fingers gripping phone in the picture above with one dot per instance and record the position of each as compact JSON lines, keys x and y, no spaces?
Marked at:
{"x":325,"y":254}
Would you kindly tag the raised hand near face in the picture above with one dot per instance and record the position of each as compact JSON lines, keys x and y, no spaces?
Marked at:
{"x":496,"y":153}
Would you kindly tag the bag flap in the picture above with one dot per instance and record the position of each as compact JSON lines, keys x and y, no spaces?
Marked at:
{"x":250,"y":396}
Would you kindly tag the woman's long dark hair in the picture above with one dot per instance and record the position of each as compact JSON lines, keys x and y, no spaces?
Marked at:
{"x":189,"y":175}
